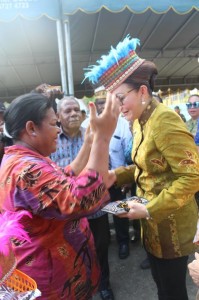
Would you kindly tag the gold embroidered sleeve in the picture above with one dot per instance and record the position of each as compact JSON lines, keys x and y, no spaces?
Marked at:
{"x":177,"y":146}
{"x":125,"y":175}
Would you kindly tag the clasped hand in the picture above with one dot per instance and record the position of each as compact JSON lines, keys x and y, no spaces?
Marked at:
{"x":194,"y":269}
{"x":137,"y":211}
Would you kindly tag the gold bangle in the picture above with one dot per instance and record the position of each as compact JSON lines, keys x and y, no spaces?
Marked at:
{"x":148,"y":217}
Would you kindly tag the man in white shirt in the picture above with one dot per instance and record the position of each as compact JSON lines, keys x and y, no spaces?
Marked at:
{"x":99,"y":223}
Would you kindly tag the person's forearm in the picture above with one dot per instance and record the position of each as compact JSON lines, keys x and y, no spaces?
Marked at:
{"x":99,"y":156}
{"x":79,"y":163}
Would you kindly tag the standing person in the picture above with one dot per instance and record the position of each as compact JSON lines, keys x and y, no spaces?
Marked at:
{"x":70,"y":141}
{"x":194,"y":271}
{"x":177,"y":110}
{"x":119,"y":144}
{"x":193,"y":110}
{"x":4,"y":141}
{"x":193,"y":123}
{"x":58,"y":199}
{"x":196,"y":137}
{"x":166,"y":167}
{"x":145,"y":264}
{"x":99,"y":222}
{"x":71,"y":136}
{"x":84,"y":115}
{"x":2,"y":110}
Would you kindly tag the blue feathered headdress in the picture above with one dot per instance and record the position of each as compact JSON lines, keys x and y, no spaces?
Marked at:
{"x":112,"y":69}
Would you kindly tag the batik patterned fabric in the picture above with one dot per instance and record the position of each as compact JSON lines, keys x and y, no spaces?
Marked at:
{"x":61,"y":256}
{"x":166,"y":172}
{"x":67,"y":148}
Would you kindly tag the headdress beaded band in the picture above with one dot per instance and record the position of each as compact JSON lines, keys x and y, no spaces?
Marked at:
{"x":114,"y":68}
{"x":100,"y":93}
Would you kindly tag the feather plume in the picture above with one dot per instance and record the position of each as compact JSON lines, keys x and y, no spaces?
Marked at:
{"x":122,"y":50}
{"x":10,"y":227}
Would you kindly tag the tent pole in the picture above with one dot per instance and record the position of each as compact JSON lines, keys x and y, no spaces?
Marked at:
{"x":69,"y":57}
{"x":61,"y":56}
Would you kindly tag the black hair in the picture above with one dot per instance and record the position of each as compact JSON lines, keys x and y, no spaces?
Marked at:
{"x":145,"y":74}
{"x":51,"y":94}
{"x":28,"y":107}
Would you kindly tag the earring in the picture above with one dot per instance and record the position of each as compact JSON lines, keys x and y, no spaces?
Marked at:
{"x":143,"y":102}
{"x":34,"y":133}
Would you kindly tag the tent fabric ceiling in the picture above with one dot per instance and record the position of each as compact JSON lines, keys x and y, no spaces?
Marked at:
{"x":29,"y":50}
{"x":31,"y":9}
{"x":179,"y":6}
{"x":170,"y":40}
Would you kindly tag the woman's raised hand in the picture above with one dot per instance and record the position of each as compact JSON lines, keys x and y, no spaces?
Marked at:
{"x":106,"y":122}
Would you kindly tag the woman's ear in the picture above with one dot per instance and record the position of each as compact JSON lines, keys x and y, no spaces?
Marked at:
{"x":144,"y":89}
{"x":31,"y":129}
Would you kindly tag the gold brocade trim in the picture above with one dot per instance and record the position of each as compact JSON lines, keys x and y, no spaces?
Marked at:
{"x":148,"y":111}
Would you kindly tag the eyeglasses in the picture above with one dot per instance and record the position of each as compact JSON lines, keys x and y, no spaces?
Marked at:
{"x":192,"y":105}
{"x":122,"y":96}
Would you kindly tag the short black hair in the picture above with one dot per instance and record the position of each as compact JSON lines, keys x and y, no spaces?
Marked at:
{"x":28,"y":107}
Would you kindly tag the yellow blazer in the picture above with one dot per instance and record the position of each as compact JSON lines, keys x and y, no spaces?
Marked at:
{"x":166,"y":172}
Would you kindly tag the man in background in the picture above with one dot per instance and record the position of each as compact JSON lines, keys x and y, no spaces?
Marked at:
{"x":84,"y":115}
{"x":193,"y":110}
{"x":71,"y":136}
{"x":99,"y":222}
{"x":119,"y":144}
{"x":177,"y":110}
{"x":193,"y":125}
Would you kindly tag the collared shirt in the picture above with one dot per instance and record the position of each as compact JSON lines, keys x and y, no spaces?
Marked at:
{"x":119,"y":144}
{"x":67,"y":148}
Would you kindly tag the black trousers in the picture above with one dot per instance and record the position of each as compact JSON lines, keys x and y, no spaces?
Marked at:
{"x":170,"y":277}
{"x":121,"y":224}
{"x":100,"y":230}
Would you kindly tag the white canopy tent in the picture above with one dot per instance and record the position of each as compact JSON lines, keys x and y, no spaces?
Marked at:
{"x":53,"y":41}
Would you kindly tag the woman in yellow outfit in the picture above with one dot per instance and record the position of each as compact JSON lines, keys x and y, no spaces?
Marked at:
{"x":166,"y":167}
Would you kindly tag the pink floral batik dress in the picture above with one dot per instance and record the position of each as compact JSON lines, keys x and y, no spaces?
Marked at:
{"x":61,"y":256}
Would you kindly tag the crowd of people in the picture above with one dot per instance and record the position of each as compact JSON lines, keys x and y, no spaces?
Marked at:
{"x":63,"y":169}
